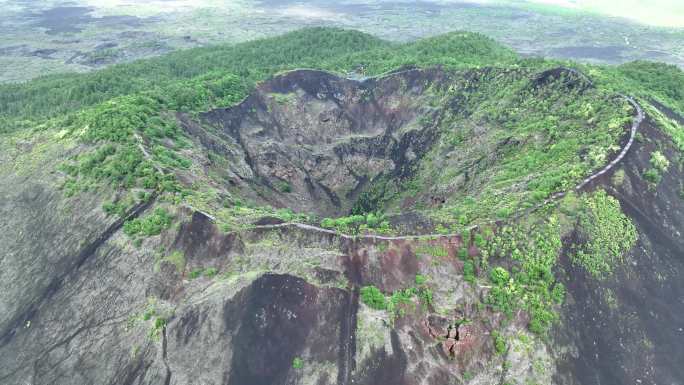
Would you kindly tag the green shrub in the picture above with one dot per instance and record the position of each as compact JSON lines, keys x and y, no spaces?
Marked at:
{"x":433,"y":250}
{"x":558,"y":293}
{"x":503,"y":299}
{"x":659,"y":165}
{"x":480,"y":241}
{"x":425,"y":295}
{"x":608,"y":233}
{"x":500,"y":276}
{"x":150,"y":225}
{"x":284,"y":187}
{"x":169,"y":158}
{"x":159,"y":323}
{"x":177,"y":258}
{"x":469,"y":271}
{"x":465,"y":237}
{"x":619,"y":177}
{"x":286,"y":214}
{"x":149,"y":312}
{"x":328,"y":223}
{"x":373,"y":297}
{"x":372,"y":220}
{"x":652,"y":175}
{"x":399,"y":298}
{"x":111,"y":208}
{"x":499,"y":343}
{"x":529,"y":285}
{"x":297,"y":363}
{"x":353,"y":224}
{"x":659,"y":161}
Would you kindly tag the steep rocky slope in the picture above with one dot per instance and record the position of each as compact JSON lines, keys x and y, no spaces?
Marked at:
{"x":627,"y":329}
{"x":470,"y":257}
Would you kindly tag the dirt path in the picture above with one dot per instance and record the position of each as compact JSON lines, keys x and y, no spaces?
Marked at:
{"x":636,"y":122}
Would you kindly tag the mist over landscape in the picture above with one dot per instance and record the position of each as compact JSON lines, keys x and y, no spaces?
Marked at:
{"x":42,"y":37}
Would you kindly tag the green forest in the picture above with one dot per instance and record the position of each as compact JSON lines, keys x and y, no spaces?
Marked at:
{"x":203,"y":71}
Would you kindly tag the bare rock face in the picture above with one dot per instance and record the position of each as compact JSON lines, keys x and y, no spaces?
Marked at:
{"x":314,"y":140}
{"x":254,"y":337}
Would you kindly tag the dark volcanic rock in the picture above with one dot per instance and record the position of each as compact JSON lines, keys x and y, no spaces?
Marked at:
{"x":628,"y":329}
{"x":326,"y":137}
{"x":282,"y":319}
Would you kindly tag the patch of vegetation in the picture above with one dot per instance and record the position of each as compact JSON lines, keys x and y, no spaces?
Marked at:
{"x":152,"y":312}
{"x":117,"y":131}
{"x":284,"y":187}
{"x":176,"y":258}
{"x":208,"y":272}
{"x":400,"y":300}
{"x":671,"y":127}
{"x":659,"y":161}
{"x":649,"y":79}
{"x":297,"y":363}
{"x":117,"y":208}
{"x":283,"y":98}
{"x":288,"y":215}
{"x":157,"y":327}
{"x":121,"y":207}
{"x":607,"y":234}
{"x":500,"y":276}
{"x":619,"y":177}
{"x":152,"y":224}
{"x":530,"y":284}
{"x":373,"y":297}
{"x":469,"y":271}
{"x":357,"y":224}
{"x":653,"y":176}
{"x":421,"y":279}
{"x":438,"y":251}
{"x":500,"y":345}
{"x":463,"y":254}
